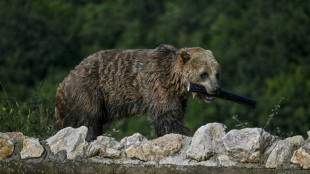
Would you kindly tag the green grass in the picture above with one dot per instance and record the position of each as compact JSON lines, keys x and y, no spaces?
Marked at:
{"x":274,"y":112}
{"x":34,"y":117}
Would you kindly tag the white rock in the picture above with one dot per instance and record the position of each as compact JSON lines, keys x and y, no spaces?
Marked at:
{"x":13,"y":136}
{"x":157,"y":149}
{"x":247,"y":145}
{"x":6,"y":148}
{"x":136,"y":139}
{"x":31,"y":148}
{"x":296,"y":140}
{"x":269,"y":150}
{"x":207,"y":141}
{"x":104,"y":146}
{"x":281,"y":153}
{"x":180,"y":157}
{"x":307,"y":144}
{"x":71,"y":140}
{"x":209,"y":163}
{"x":225,"y":161}
{"x":302,"y":158}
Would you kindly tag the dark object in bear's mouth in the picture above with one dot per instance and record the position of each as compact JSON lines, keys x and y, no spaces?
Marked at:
{"x":194,"y":87}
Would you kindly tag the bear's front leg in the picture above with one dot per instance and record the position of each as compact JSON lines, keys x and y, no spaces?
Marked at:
{"x":170,"y":122}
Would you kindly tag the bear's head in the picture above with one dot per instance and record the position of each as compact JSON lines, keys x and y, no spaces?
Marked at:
{"x":198,"y":65}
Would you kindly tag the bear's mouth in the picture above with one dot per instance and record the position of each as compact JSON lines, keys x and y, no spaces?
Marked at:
{"x":208,"y":99}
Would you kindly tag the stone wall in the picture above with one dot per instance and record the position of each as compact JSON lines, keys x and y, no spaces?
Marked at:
{"x":210,"y":147}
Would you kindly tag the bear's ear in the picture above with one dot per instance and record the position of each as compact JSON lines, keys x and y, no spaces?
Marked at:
{"x":184,"y":56}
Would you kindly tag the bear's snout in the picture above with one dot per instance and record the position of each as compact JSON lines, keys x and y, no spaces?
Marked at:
{"x":216,"y":90}
{"x":212,"y":89}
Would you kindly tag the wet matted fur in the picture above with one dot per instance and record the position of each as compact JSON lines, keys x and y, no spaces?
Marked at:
{"x":114,"y":84}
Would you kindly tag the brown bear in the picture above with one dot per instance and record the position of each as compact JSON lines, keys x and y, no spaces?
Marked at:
{"x":114,"y":84}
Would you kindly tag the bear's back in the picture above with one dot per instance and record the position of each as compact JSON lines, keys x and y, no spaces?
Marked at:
{"x":122,"y":80}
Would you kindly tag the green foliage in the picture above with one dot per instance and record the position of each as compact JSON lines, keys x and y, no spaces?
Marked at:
{"x":240,"y":124}
{"x":263,"y":48}
{"x":274,"y":112}
{"x":127,"y":127}
{"x":33,"y":117}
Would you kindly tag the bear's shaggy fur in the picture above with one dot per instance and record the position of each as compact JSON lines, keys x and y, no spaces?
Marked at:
{"x":114,"y":84}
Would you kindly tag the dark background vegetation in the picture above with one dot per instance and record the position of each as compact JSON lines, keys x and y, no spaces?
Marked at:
{"x":263,"y":48}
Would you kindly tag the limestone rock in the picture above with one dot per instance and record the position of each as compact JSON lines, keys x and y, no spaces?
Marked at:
{"x":225,"y":161}
{"x":308,"y":135}
{"x":31,"y":148}
{"x":307,"y":144}
{"x":247,"y":145}
{"x":71,"y":140}
{"x":207,"y":141}
{"x":302,"y":158}
{"x":268,"y":151}
{"x":180,"y":157}
{"x":302,"y":155}
{"x":136,"y":139}
{"x":282,"y":151}
{"x":104,"y":146}
{"x":13,"y":136}
{"x":157,"y":149}
{"x":296,"y":140}
{"x":6,"y":148}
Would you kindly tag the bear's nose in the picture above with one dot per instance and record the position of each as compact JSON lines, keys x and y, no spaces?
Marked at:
{"x":216,"y":90}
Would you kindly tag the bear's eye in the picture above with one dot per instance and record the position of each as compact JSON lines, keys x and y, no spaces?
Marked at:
{"x":217,"y":75}
{"x":204,"y":75}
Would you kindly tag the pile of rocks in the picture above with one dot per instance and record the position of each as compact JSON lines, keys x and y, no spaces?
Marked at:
{"x":210,"y":146}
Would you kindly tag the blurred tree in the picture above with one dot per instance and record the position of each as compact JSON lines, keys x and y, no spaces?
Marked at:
{"x":262,"y":46}
{"x":291,"y":84}
{"x":34,"y":37}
